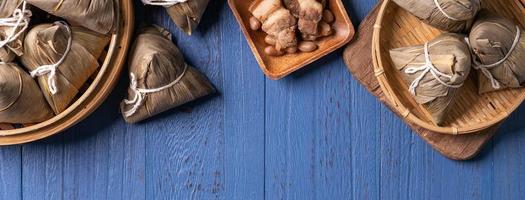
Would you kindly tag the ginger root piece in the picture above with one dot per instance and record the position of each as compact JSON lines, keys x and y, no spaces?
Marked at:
{"x":309,"y":13}
{"x":277,"y":22}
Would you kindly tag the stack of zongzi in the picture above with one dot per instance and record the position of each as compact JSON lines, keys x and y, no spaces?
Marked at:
{"x":499,"y":49}
{"x":495,"y":48}
{"x":447,"y":15}
{"x":160,"y":78}
{"x":61,"y":57}
{"x":186,"y":14}
{"x":435,"y":71}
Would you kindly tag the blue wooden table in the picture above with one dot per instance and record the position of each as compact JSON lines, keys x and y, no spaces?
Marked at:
{"x":314,"y":135}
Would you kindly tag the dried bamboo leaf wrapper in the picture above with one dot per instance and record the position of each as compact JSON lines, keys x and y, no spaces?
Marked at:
{"x":96,"y":15}
{"x":156,"y":63}
{"x":21,"y":101}
{"x":435,"y":89}
{"x":46,"y":44}
{"x":8,"y":6}
{"x":11,"y":31}
{"x":497,"y":40}
{"x":188,"y":15}
{"x":447,"y":15}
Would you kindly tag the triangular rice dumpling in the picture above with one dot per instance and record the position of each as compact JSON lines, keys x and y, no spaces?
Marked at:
{"x":434,"y":78}
{"x":96,"y":15}
{"x":499,"y":49}
{"x":47,"y":45}
{"x":21,"y":101}
{"x":186,"y":14}
{"x":447,"y":15}
{"x":15,"y":17}
{"x":160,"y":78}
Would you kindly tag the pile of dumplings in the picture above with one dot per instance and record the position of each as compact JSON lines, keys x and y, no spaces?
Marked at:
{"x":493,"y":47}
{"x":44,"y":66}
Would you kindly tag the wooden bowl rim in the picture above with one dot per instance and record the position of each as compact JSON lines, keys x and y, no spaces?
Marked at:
{"x":405,"y":112}
{"x":292,"y":68}
{"x":96,"y":93}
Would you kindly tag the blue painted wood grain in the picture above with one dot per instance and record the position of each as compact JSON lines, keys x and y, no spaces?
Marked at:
{"x":314,"y":135}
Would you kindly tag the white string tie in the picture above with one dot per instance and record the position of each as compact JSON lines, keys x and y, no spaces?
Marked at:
{"x":51,"y":69}
{"x":485,"y":69}
{"x":443,"y":11}
{"x":428,"y":67}
{"x":21,"y":17}
{"x":165,"y":3}
{"x":140,"y":93}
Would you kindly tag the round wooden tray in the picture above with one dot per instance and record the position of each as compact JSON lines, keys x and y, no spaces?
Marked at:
{"x":471,"y":112}
{"x":97,"y":91}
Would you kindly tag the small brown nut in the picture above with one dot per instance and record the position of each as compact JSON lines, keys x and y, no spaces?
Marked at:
{"x":307,"y":46}
{"x":271,"y":51}
{"x":325,"y":29}
{"x":270,"y":40}
{"x":255,"y":24}
{"x":328,"y":16}
{"x":291,"y":50}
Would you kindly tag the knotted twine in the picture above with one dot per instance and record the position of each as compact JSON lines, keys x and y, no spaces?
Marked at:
{"x":485,"y":69}
{"x":426,"y":68}
{"x":140,"y":93}
{"x":20,"y":17}
{"x":165,"y":3}
{"x":51,"y":69}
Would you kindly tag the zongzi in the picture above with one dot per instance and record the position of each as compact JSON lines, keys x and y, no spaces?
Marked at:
{"x":14,"y":21}
{"x":434,"y":71}
{"x":63,"y":59}
{"x":277,"y":22}
{"x":160,"y":78}
{"x":96,"y":15}
{"x":498,"y":46}
{"x":447,"y":15}
{"x":21,"y":101}
{"x":186,"y":14}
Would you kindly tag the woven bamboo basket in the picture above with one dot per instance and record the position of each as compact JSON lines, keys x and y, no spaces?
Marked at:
{"x":94,"y":92}
{"x":471,"y":111}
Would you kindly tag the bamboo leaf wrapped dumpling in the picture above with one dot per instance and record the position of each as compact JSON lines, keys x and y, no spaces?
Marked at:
{"x":160,"y":78}
{"x":186,"y":14}
{"x":63,"y":59}
{"x":21,"y":101}
{"x":96,"y":15}
{"x":15,"y":16}
{"x":447,"y":15}
{"x":434,"y":71}
{"x":499,"y":50}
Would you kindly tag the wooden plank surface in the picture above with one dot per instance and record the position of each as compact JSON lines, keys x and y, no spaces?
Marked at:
{"x":315,"y":135}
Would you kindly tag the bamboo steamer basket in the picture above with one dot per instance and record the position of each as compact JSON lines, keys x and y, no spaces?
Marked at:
{"x":471,"y":112}
{"x":95,"y":91}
